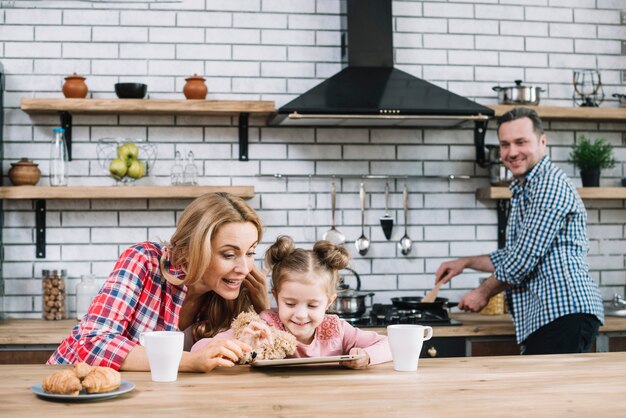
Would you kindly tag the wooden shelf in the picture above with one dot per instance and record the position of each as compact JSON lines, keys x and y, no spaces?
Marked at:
{"x":119,"y":192}
{"x":262,"y":109}
{"x":604,"y":193}
{"x":590,"y":114}
{"x":67,"y":107}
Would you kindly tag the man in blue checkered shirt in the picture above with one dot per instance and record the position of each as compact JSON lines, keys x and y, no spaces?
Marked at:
{"x":555,"y":304}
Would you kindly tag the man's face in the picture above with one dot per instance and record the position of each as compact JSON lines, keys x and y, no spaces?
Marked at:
{"x":520,"y":148}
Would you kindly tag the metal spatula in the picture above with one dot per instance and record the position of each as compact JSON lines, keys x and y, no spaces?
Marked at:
{"x":387,"y":221}
{"x":432,"y":295}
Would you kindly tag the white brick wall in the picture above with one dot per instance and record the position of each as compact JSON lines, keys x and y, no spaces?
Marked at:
{"x":275,"y":50}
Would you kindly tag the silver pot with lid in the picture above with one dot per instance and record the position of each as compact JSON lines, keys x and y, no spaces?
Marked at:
{"x":350,"y":303}
{"x":518,"y":94}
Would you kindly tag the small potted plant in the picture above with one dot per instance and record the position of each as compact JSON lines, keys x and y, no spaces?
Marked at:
{"x":591,"y":158}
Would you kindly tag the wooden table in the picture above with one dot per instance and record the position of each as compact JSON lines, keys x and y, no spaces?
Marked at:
{"x":526,"y":386}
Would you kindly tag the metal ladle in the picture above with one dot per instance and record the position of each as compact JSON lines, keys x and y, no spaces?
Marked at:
{"x":333,"y":235}
{"x":405,"y":242}
{"x":362,"y":243}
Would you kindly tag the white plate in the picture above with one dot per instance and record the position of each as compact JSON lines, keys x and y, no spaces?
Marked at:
{"x":125,"y":387}
{"x":310,"y":360}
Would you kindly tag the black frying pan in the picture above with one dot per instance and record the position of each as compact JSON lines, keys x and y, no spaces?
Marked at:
{"x":415,"y":302}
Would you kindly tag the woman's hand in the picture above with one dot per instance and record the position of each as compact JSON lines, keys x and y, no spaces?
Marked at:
{"x":256,"y":333}
{"x":362,"y":363}
{"x":256,"y":283}
{"x":217,"y":353}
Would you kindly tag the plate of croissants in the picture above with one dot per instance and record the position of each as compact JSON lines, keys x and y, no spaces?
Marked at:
{"x":83,"y":383}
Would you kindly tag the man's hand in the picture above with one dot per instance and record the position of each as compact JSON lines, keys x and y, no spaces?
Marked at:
{"x":449,"y":269}
{"x":474,"y":301}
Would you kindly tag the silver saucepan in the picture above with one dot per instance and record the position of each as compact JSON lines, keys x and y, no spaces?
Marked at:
{"x":518,"y":94}
{"x":350,"y":303}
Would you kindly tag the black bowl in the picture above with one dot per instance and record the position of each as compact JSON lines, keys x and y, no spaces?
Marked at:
{"x":131,"y":90}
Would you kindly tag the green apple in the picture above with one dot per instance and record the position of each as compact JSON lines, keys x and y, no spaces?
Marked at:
{"x":128,"y":152}
{"x":137,"y":169}
{"x":118,"y":168}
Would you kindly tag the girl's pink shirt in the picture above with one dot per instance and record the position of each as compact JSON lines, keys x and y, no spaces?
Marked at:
{"x":333,"y":337}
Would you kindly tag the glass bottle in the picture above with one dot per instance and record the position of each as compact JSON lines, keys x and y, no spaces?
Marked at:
{"x":177,"y":169}
{"x":59,"y":159}
{"x":54,"y":301}
{"x":85,"y":292}
{"x":190,"y":174}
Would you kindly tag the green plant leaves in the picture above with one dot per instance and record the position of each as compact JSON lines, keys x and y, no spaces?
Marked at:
{"x":588,"y":155}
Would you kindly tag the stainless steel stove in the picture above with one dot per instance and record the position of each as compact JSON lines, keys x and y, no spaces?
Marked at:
{"x":381,"y":315}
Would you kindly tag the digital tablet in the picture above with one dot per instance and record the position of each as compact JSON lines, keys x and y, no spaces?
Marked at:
{"x":303,"y":361}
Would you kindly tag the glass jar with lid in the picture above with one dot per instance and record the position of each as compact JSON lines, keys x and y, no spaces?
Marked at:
{"x":85,"y":292}
{"x":54,"y":301}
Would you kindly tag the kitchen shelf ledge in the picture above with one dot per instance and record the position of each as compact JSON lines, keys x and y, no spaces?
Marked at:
{"x":573,"y":114}
{"x":119,"y":192}
{"x":40,"y":193}
{"x":600,"y":193}
{"x":241,"y":108}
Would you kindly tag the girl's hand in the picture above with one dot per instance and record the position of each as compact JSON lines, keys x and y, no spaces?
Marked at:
{"x":256,"y":284}
{"x":362,"y":363}
{"x":256,"y":333}
{"x":218,"y":353}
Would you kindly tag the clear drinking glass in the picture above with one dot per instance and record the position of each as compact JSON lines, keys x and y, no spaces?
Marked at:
{"x":59,"y":159}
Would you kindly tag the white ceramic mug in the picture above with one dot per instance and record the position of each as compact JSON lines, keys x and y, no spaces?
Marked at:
{"x":164,"y":350}
{"x":406,"y":344}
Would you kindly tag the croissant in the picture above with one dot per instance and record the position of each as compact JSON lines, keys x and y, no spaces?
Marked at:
{"x":102,"y":379}
{"x":63,"y":382}
{"x":82,"y":369}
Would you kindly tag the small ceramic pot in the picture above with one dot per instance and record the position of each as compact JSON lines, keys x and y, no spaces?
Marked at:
{"x":24,"y":173}
{"x":75,"y":87}
{"x":195,"y":89}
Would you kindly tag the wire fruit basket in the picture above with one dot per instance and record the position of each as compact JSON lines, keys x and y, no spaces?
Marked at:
{"x":126,"y":160}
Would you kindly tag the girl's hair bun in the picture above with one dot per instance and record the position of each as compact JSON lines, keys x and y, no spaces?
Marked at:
{"x":279,"y":250}
{"x":333,"y":256}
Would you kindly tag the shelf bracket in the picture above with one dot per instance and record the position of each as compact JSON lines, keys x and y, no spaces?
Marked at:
{"x":243,"y":136}
{"x":480,"y":130}
{"x":503,"y":217}
{"x":40,"y":228}
{"x":66,"y":124}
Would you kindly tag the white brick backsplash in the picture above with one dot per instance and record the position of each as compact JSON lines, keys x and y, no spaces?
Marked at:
{"x":254,"y":50}
{"x":572,"y":30}
{"x":261,"y":21}
{"x":32,"y":16}
{"x":550,"y":14}
{"x":502,"y":12}
{"x":16,"y":33}
{"x":147,"y":18}
{"x":91,"y":17}
{"x":90,"y":50}
{"x":449,"y":41}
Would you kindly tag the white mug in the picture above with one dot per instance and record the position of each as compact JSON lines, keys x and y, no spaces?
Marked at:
{"x":164,"y":350}
{"x":406,"y":345}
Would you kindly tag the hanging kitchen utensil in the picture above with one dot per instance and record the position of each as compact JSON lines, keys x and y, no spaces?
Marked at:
{"x":432,"y":295}
{"x":333,"y":235}
{"x":405,"y":243}
{"x":386,"y":222}
{"x":362,"y":243}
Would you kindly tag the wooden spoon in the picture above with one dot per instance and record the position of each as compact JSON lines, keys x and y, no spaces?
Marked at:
{"x":432,"y":295}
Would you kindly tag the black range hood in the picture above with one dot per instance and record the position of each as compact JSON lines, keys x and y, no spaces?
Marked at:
{"x":370,"y":92}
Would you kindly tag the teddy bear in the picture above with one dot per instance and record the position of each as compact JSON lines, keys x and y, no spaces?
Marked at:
{"x":283,"y":344}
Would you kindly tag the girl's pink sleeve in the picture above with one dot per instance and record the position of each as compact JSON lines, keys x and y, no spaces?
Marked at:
{"x":374,"y":344}
{"x":226,"y":335}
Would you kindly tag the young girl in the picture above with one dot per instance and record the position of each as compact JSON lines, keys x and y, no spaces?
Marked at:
{"x":304,"y":285}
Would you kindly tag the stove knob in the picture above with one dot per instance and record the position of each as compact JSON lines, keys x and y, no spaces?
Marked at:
{"x":432,"y":351}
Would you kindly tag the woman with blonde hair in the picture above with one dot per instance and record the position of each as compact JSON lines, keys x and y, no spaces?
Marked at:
{"x":193,"y":282}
